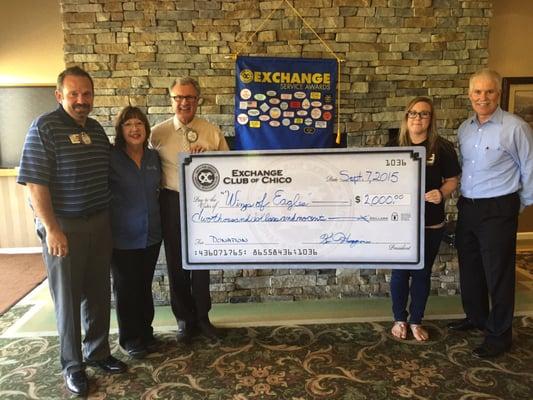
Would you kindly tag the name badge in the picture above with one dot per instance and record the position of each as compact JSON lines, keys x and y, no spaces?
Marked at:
{"x":192,"y":136}
{"x":85,"y":138}
{"x":75,"y":138}
{"x":80,"y":138}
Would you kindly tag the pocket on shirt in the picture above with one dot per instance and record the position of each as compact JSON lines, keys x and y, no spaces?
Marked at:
{"x":493,"y":156}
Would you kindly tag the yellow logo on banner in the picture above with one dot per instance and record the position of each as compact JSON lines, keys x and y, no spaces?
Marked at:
{"x":246,"y":76}
{"x":255,"y":124}
{"x":317,"y":78}
{"x":315,"y":95}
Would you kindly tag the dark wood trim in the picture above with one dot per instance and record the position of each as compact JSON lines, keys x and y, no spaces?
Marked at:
{"x":507,"y":82}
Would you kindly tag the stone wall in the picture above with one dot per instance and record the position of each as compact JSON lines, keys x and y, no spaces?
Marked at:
{"x":393,"y":50}
{"x":236,"y":286}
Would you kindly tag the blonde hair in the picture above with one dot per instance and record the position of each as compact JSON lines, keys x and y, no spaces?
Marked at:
{"x":404,"y":138}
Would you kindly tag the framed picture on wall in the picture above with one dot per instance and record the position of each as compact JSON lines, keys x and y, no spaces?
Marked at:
{"x":517,"y":97}
{"x":19,"y":106}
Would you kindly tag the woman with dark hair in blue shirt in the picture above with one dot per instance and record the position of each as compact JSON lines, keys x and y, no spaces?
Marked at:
{"x":134,"y":179}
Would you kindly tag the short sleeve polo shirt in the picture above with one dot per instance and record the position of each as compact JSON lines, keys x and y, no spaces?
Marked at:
{"x":72,"y":160}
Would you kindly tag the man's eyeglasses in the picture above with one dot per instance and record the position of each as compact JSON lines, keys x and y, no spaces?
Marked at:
{"x":421,"y":114}
{"x":188,"y":99}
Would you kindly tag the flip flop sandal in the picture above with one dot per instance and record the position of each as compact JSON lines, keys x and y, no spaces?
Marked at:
{"x":419,"y":333}
{"x":399,"y":329}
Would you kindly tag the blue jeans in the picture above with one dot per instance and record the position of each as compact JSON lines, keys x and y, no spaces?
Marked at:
{"x":417,"y":283}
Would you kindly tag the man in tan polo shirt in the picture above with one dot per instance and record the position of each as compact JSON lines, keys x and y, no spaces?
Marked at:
{"x":184,"y":132}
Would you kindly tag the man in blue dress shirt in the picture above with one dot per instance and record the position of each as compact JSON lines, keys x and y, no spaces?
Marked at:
{"x":496,"y":184}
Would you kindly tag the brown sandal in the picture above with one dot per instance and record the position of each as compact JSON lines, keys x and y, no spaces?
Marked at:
{"x":419,"y":333}
{"x":399,"y":329}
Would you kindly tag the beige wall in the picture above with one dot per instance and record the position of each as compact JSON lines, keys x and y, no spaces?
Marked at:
{"x":511,"y":54}
{"x":511,"y":37}
{"x":31,"y":42}
{"x":17,"y":228}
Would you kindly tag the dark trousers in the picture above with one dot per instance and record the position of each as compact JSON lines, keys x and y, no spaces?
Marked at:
{"x":133,"y":272}
{"x":80,"y":288}
{"x":189,"y":290}
{"x":415,"y":282}
{"x":486,"y":246}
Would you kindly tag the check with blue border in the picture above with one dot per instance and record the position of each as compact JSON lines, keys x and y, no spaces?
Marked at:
{"x":356,"y":208}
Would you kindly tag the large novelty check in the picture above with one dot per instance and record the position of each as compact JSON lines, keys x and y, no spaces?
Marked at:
{"x":303,"y":209}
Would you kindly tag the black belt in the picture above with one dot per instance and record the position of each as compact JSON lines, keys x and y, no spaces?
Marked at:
{"x":84,"y":216}
{"x":486,"y":199}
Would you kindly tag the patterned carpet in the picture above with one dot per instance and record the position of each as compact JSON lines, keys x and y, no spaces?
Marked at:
{"x":525,"y":261}
{"x":343,"y":361}
{"x":524,"y":271}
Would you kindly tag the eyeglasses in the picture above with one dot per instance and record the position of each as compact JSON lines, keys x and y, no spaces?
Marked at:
{"x":421,"y":114}
{"x":179,"y":98}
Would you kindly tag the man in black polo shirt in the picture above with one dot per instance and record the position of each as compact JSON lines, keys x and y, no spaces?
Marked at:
{"x":65,"y":163}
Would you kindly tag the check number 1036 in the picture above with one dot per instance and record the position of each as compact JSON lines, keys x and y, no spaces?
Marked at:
{"x":395,"y":162}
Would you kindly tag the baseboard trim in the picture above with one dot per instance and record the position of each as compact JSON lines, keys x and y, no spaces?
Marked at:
{"x":21,"y":250}
{"x":524,"y":241}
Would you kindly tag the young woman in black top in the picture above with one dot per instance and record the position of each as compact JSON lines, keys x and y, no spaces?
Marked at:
{"x":418,"y":128}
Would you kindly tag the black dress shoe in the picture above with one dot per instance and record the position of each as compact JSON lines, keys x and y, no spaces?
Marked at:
{"x":487,"y":351}
{"x":136,"y":351}
{"x":77,"y":382}
{"x":151,"y":344}
{"x":207,"y":329}
{"x":185,"y":331}
{"x":462,"y":325}
{"x":110,"y":365}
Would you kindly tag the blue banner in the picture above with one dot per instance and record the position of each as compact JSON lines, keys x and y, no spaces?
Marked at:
{"x":284,"y":103}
